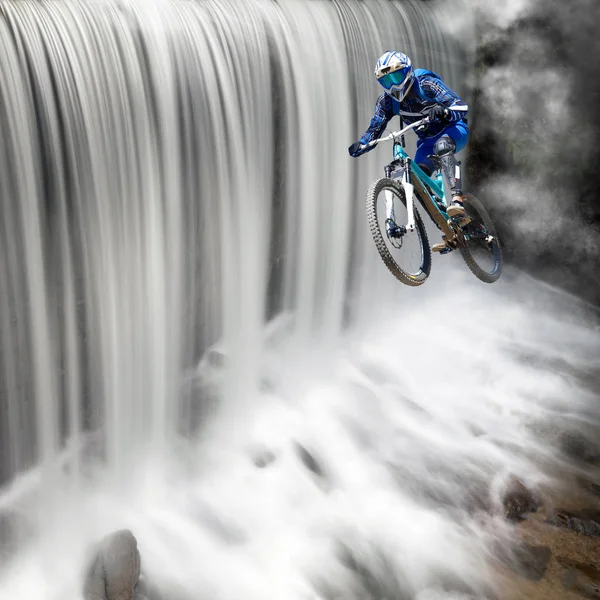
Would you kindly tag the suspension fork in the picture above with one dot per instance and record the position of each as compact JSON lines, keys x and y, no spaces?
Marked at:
{"x":406,"y":182}
{"x":409,"y":194}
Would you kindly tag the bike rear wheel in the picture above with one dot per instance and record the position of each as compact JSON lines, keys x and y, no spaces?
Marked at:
{"x":408,"y":258}
{"x":481,"y":248}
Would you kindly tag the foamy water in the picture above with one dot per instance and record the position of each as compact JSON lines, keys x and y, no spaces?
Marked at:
{"x":410,"y":445}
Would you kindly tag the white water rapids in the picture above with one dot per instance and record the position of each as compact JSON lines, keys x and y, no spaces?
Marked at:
{"x":188,"y":289}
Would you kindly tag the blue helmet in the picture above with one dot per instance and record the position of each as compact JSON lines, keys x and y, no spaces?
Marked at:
{"x":395,"y":73}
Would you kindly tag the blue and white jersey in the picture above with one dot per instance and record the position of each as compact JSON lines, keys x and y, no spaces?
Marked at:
{"x":430,"y":90}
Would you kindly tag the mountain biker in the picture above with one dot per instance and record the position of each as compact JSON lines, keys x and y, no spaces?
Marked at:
{"x":421,"y":92}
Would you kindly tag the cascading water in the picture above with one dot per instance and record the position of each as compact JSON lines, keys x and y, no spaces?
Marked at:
{"x":174,"y":174}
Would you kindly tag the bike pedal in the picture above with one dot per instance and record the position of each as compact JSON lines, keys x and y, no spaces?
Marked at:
{"x":446,"y":250}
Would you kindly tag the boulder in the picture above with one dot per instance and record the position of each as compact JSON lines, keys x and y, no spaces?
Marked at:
{"x":114,"y":569}
{"x":518,"y":500}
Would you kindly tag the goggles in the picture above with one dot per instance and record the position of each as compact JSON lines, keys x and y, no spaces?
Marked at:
{"x":394,"y":79}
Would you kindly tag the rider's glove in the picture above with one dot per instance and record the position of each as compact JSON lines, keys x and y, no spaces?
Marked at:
{"x":438,"y":114}
{"x":355,"y":150}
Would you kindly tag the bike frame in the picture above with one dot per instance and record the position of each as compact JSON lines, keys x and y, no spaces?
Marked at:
{"x":412,"y":177}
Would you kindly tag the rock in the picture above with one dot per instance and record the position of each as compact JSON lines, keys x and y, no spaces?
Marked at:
{"x":263,"y":458}
{"x":586,"y":522}
{"x":518,"y":500}
{"x":315,"y":466}
{"x":583,"y":579}
{"x":309,"y":461}
{"x":114,"y":569}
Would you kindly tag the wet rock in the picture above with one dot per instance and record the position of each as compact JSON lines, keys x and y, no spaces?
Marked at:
{"x":518,"y":500}
{"x":586,"y":522}
{"x":582,"y":579}
{"x":528,"y":561}
{"x":114,"y":569}
{"x":315,"y":466}
{"x":263,"y":458}
{"x":309,"y":461}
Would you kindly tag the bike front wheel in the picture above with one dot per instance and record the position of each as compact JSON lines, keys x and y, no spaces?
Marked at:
{"x":407,"y":257}
{"x":481,"y":248}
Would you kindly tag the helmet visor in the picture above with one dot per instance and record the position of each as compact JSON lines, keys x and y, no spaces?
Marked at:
{"x":396,"y":78}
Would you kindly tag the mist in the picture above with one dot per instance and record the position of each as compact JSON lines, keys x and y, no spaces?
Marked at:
{"x":533,"y":134}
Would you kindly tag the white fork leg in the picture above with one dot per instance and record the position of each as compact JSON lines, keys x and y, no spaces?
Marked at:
{"x":409,"y":193}
{"x":389,"y":206}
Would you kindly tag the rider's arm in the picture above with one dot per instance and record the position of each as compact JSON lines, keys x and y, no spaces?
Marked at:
{"x":441,"y":94}
{"x":381,"y":116}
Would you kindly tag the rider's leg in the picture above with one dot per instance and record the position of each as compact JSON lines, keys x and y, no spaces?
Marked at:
{"x":424,"y":151}
{"x":453,"y":139}
{"x":445,"y":149}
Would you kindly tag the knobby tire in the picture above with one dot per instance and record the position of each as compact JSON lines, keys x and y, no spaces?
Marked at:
{"x":414,"y":280}
{"x":473,"y":205}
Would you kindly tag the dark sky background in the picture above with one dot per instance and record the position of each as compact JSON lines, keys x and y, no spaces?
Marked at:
{"x":535,"y":146}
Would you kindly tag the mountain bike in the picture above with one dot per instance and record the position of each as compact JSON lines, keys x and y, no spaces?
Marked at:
{"x":397,"y":226}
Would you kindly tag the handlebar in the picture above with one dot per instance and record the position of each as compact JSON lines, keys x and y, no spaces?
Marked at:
{"x":396,"y":134}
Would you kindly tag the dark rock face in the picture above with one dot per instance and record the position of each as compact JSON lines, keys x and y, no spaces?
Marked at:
{"x":586,"y":522}
{"x":114,"y":569}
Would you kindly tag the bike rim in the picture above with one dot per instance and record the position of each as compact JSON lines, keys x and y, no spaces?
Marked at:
{"x":407,"y":251}
{"x":481,"y":242}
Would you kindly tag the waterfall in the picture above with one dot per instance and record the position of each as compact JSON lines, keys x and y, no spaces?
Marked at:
{"x":173,"y":174}
{"x":189,"y":290}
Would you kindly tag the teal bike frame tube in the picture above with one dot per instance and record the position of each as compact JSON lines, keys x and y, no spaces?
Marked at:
{"x":399,"y":153}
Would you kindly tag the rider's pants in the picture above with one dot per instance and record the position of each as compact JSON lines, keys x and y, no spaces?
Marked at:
{"x":459,"y":132}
